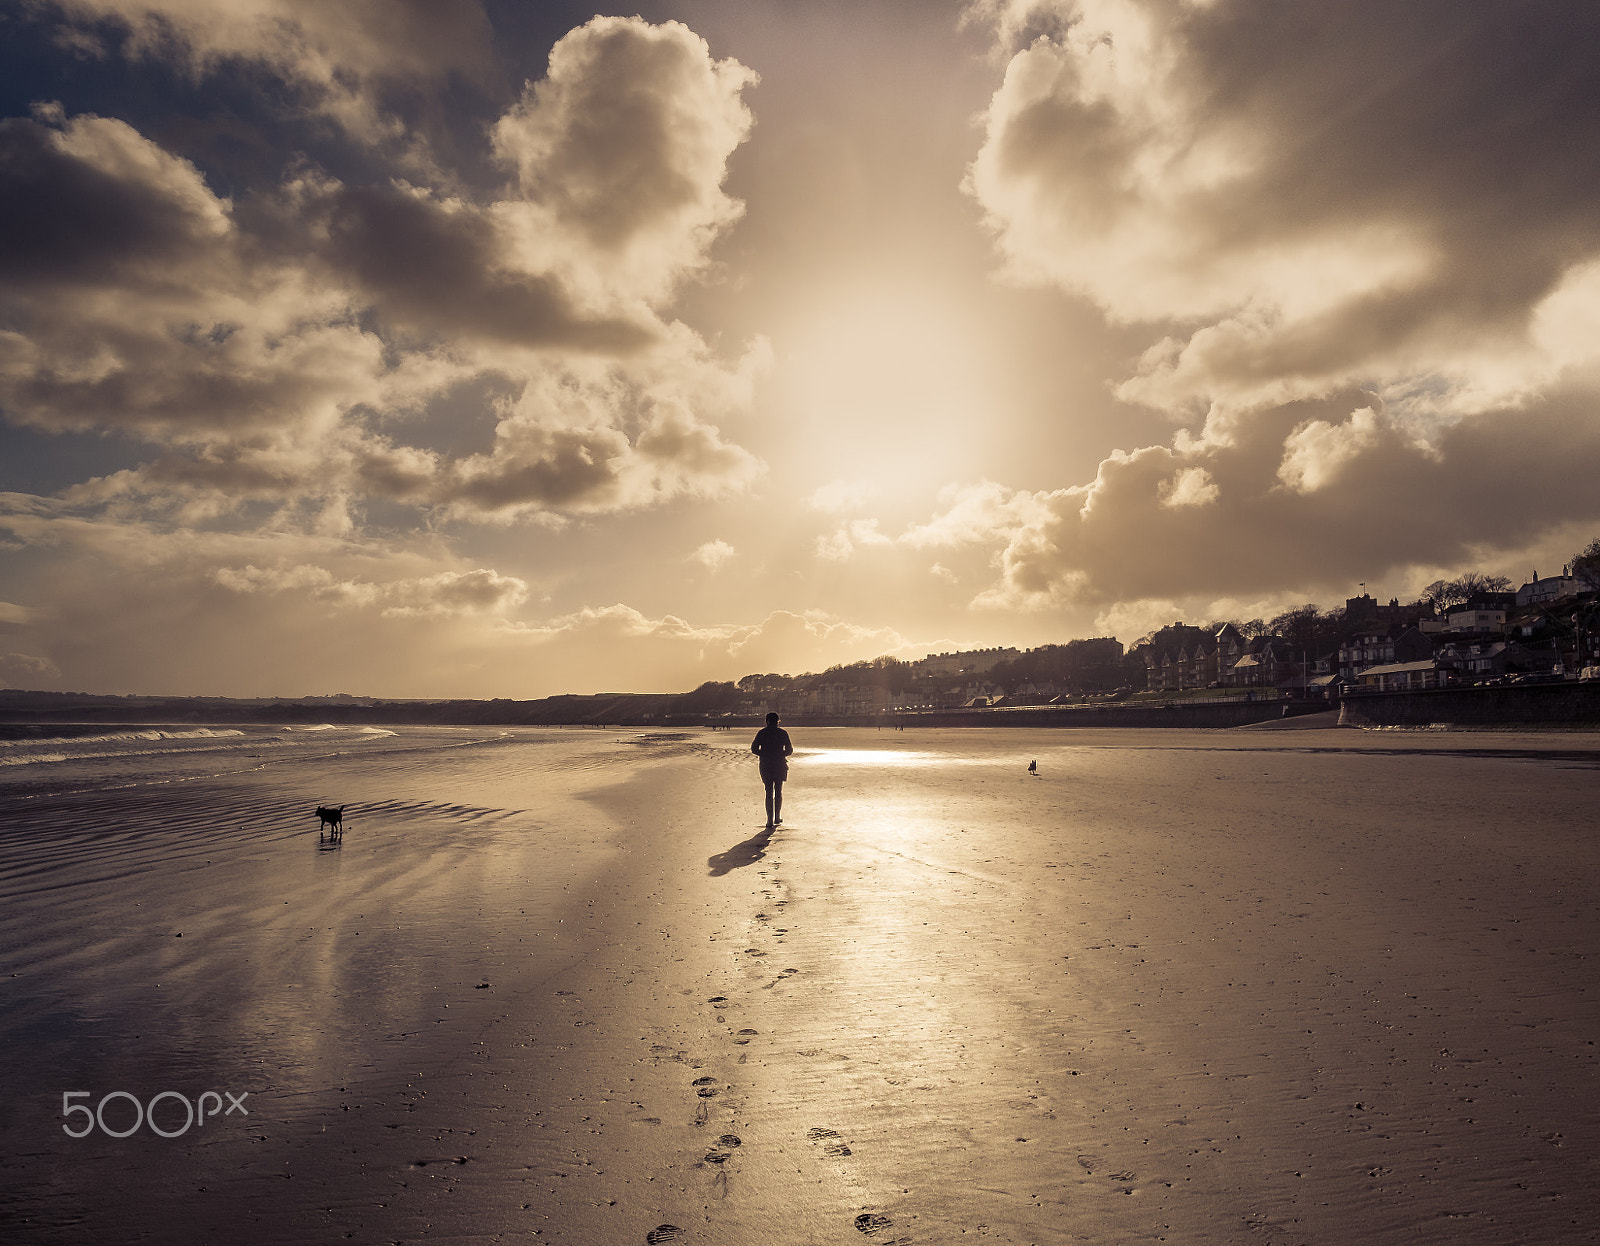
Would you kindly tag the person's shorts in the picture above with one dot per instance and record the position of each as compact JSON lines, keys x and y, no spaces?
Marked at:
{"x":774,"y":770}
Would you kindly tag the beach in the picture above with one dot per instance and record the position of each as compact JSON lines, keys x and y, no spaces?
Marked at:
{"x":553,"y":985}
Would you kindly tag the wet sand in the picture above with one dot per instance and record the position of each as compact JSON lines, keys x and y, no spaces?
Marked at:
{"x":1314,"y":986}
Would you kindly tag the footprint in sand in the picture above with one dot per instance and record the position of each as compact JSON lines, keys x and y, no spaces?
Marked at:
{"x":744,"y":1036}
{"x":706,"y":1086}
{"x":663,"y":1233}
{"x":833,"y":1144}
{"x":872,"y":1224}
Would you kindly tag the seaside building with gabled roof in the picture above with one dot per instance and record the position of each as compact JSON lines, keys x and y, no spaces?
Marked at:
{"x":1538,"y":592}
{"x":1405,"y":676}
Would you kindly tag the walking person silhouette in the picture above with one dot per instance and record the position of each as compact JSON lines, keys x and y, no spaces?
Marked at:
{"x":772,"y":746}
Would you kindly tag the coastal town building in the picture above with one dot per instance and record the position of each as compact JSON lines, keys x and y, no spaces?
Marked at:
{"x":1404,"y":676}
{"x":968,"y":662}
{"x":1537,"y":592}
{"x":1368,"y":649}
{"x":1266,"y":662}
{"x":1391,"y":646}
{"x":1363,"y":610}
{"x":1476,"y":618}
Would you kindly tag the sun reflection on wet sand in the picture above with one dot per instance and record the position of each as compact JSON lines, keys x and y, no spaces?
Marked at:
{"x":869,"y":757}
{"x":1168,"y":986}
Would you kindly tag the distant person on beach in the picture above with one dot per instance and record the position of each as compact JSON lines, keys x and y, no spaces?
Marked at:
{"x":772,"y":746}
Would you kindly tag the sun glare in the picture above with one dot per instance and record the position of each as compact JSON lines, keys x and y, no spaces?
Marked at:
{"x":896,"y":379}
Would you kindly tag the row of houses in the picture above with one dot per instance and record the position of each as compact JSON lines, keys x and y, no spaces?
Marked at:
{"x":966,"y":662}
{"x":1530,"y":632}
{"x":1221,"y":658}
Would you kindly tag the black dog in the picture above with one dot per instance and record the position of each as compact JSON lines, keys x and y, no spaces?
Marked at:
{"x":333,"y":819}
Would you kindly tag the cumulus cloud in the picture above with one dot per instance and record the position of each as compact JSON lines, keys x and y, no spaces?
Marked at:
{"x":481,"y":591}
{"x":1191,"y":486}
{"x":24,"y":670}
{"x":620,"y":151}
{"x":591,"y":440}
{"x":1136,"y":618}
{"x":478,"y":592}
{"x":1315,"y":451}
{"x":129,"y":305}
{"x":274,"y":348}
{"x":345,"y":59}
{"x":440,"y":266}
{"x":1296,"y":189}
{"x":973,"y":514}
{"x":1305,"y":497}
{"x":1367,"y":258}
{"x":839,"y":545}
{"x":712,"y":555}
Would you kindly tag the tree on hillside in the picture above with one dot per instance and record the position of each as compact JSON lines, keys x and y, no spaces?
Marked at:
{"x":880,"y":672}
{"x":1095,"y":664}
{"x":1447,"y":593}
{"x":763,"y":685}
{"x":1309,"y":628}
{"x":710,"y":697}
{"x":1586,"y":566}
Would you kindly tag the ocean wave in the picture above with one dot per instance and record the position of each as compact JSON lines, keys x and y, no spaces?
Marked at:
{"x":112,"y":737}
{"x":35,"y":751}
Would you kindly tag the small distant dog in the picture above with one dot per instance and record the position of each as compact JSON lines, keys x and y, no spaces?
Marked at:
{"x":1033,"y":767}
{"x":333,"y":819}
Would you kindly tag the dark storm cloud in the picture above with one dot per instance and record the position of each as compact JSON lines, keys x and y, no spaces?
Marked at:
{"x":1371,"y":516}
{"x":361,"y":63}
{"x":547,"y":467}
{"x":1307,"y":495}
{"x":65,"y":220}
{"x":438,"y":269}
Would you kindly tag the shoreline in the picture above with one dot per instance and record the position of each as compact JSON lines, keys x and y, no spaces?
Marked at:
{"x":1565,"y":705}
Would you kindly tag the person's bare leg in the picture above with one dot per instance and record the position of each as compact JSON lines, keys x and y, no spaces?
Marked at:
{"x":770,"y":810}
{"x":777,"y":803}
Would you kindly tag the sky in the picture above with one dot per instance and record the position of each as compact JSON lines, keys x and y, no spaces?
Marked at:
{"x":488,"y":348}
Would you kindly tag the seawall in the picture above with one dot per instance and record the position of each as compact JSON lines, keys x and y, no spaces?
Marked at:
{"x":1562,"y":705}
